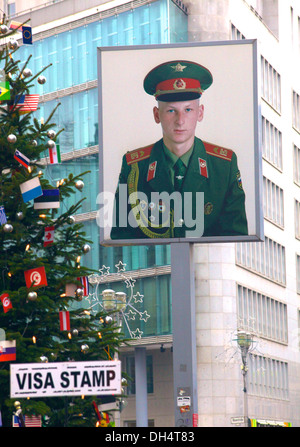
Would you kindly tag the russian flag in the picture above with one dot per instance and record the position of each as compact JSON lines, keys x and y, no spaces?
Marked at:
{"x":7,"y":351}
{"x":31,"y":189}
{"x":22,"y":159}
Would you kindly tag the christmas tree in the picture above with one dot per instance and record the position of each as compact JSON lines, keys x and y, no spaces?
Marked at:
{"x":41,"y":275}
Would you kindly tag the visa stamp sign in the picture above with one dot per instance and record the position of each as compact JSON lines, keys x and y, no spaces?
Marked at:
{"x":65,"y":379}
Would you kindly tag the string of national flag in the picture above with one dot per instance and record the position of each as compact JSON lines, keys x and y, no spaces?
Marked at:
{"x":43,"y":199}
{"x":37,"y":277}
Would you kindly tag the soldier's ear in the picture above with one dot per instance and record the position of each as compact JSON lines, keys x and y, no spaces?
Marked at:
{"x":156,"y":115}
{"x":201,"y":112}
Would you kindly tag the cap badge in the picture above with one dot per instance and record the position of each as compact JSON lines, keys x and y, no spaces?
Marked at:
{"x":208,"y":208}
{"x":179,"y":84}
{"x":178,"y":67}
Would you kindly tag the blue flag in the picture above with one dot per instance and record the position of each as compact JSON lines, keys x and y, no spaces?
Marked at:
{"x":27,"y":35}
{"x":3,"y":219}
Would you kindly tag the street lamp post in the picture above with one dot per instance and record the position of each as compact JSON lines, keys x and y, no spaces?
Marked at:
{"x":116,"y":302}
{"x":244,"y":340}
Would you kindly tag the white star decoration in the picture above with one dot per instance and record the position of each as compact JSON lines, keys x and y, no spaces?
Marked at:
{"x":129,"y":313}
{"x":129,"y":282}
{"x":138,"y":298}
{"x":145,"y":316}
{"x":137,"y":333}
{"x":120,"y":266}
{"x":104,"y":270}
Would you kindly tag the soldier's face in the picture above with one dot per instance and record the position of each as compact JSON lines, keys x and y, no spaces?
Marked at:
{"x":178,"y":121}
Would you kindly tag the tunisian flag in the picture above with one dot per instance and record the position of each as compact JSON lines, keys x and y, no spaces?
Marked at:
{"x":6,"y":302}
{"x":36,"y":276}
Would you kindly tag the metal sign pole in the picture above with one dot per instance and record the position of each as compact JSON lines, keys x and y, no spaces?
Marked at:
{"x":184,"y":335}
{"x":141,"y":387}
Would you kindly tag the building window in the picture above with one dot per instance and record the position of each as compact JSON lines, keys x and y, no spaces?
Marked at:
{"x":272,"y":144}
{"x":271,"y":85}
{"x":11,"y":9}
{"x":236,"y":34}
{"x":136,"y":257}
{"x":261,"y":314}
{"x":297,"y":165}
{"x":298,"y":28}
{"x":296,"y":111}
{"x":132,"y":423}
{"x":266,"y":258}
{"x":298,"y":338}
{"x":130,"y":371}
{"x":292,"y":25}
{"x":298,"y":273}
{"x":297,"y":219}
{"x":273,"y":202}
{"x":75,"y":167}
{"x":73,"y":53}
{"x":149,"y":311}
{"x":268,"y":377}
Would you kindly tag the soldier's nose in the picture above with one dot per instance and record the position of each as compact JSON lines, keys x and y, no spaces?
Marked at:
{"x":179,"y":118}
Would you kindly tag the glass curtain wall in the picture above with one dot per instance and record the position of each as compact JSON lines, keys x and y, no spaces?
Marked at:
{"x":73,"y":76}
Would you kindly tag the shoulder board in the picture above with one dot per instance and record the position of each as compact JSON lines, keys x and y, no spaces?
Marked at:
{"x":218,"y":151}
{"x":138,"y":154}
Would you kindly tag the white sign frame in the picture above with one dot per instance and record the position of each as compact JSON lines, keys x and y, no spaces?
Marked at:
{"x":233,"y":102}
{"x":65,"y":379}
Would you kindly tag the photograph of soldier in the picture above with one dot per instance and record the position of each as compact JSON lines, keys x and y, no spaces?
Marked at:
{"x":179,"y":163}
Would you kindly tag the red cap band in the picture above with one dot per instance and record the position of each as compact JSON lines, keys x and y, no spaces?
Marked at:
{"x":177,"y":85}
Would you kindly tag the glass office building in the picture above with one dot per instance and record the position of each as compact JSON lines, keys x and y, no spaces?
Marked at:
{"x":71,"y":50}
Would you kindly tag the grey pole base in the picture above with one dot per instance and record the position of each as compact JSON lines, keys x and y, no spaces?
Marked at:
{"x":184,"y":335}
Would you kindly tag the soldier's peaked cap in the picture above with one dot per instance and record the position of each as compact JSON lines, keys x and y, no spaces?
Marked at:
{"x":177,"y":80}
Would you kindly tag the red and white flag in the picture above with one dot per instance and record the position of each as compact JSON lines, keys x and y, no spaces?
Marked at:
{"x":64,"y":319}
{"x":6,"y":302}
{"x":49,"y":236}
{"x":26,"y":103}
{"x":36,"y":277}
{"x":85,"y":284}
{"x":30,"y":421}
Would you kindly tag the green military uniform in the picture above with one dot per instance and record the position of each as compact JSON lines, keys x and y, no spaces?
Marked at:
{"x":211,"y":169}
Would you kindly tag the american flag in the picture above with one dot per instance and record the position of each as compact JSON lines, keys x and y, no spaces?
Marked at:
{"x":27,"y":103}
{"x":30,"y":421}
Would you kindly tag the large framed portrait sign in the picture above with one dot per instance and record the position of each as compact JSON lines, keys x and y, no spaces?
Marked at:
{"x":179,"y":142}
